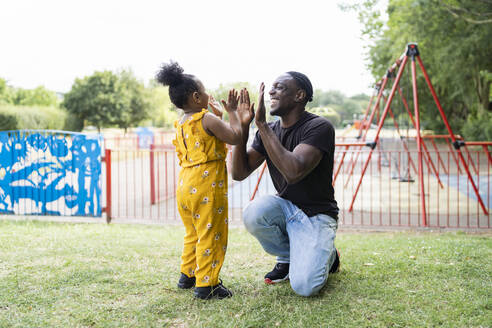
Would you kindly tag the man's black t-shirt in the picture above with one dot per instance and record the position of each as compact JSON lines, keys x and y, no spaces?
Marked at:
{"x":314,"y":194}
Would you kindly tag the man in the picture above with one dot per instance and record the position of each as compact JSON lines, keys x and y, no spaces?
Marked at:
{"x":298,"y":225}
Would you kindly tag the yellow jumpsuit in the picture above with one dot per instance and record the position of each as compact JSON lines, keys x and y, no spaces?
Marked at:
{"x":202,"y":200}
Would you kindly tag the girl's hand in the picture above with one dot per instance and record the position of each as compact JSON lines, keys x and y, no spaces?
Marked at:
{"x":231,"y":104}
{"x":260,"y":117}
{"x":215,"y":106}
{"x":245,"y":110}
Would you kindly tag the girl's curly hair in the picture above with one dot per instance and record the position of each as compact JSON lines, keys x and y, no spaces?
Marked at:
{"x":181,"y":85}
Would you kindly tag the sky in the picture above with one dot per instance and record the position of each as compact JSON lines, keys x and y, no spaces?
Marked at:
{"x":53,"y":42}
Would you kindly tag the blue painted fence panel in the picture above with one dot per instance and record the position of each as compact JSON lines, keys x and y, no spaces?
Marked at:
{"x":50,"y":173}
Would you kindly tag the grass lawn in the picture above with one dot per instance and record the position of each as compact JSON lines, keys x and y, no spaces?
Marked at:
{"x":96,"y":275}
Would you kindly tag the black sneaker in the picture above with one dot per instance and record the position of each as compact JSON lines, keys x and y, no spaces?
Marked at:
{"x":217,"y":291}
{"x":186,"y":282}
{"x":279,"y":273}
{"x":335,"y":267}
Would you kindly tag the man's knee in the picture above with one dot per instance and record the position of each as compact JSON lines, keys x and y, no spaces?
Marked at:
{"x":255,"y":211}
{"x":304,"y":286}
{"x":306,"y":282}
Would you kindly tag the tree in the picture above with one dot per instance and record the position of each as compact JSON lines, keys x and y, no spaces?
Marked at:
{"x":31,"y":97}
{"x":162,"y":111}
{"x":98,"y":99}
{"x":327,"y":112}
{"x":3,"y":91}
{"x":39,"y":96}
{"x":107,"y":99}
{"x":473,"y":12}
{"x":322,"y":98}
{"x":222,"y":92}
{"x":345,"y":108}
{"x":6,"y":93}
{"x":139,"y":101}
{"x":361,"y":97}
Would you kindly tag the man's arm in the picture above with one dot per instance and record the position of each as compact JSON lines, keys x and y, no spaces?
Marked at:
{"x":244,"y":162}
{"x":295,"y":165}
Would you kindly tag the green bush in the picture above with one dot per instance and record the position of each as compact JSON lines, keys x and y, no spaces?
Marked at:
{"x":327,"y":112}
{"x":34,"y":97}
{"x":73,"y":123}
{"x":36,"y":117}
{"x":8,"y":122}
{"x":165,"y":118}
{"x":478,"y":127}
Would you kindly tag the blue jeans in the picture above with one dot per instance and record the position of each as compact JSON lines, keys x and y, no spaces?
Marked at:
{"x":307,"y":243}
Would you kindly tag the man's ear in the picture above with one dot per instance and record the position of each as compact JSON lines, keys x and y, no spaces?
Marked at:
{"x":300,"y":95}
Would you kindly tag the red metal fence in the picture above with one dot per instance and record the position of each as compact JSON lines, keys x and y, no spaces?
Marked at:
{"x":143,"y":185}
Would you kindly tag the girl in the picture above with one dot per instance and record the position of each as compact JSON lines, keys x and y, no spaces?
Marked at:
{"x":202,"y":185}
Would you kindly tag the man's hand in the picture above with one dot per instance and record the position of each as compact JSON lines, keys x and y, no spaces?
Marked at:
{"x":232,"y":101}
{"x":260,"y":117}
{"x":245,"y":110}
{"x":215,"y":106}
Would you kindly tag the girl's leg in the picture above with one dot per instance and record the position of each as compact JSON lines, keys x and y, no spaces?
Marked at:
{"x":188,"y":260}
{"x":211,"y":224}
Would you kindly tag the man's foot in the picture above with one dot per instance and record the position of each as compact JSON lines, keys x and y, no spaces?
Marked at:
{"x":279,"y":273}
{"x":186,"y":282}
{"x":335,"y":267}
{"x":217,"y":291}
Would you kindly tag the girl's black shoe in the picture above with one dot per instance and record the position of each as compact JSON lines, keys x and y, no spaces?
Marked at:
{"x":209,"y":292}
{"x":186,"y":282}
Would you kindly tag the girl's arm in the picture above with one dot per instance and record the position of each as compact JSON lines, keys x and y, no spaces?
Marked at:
{"x":228,"y":133}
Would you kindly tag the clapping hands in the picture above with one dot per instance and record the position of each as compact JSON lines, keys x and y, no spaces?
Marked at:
{"x":246,"y":110}
{"x":215,"y":106}
{"x":260,"y":117}
{"x":232,"y":101}
{"x":235,"y":102}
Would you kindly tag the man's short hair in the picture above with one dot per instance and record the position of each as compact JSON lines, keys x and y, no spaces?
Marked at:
{"x":303,"y":83}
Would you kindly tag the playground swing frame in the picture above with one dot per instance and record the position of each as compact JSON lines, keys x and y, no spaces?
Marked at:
{"x":412,"y":53}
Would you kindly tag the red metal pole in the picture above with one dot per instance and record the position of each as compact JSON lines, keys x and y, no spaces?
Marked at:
{"x":454,"y":155}
{"x":419,"y":142}
{"x":380,"y":126}
{"x":259,"y":180}
{"x":365,"y":114}
{"x":438,"y":155}
{"x":152,"y":176}
{"x":448,"y":127}
{"x":430,"y":161}
{"x":339,"y":165}
{"x":478,"y":143}
{"x":484,"y":144}
{"x":470,"y":159}
{"x":485,"y":149}
{"x":107,"y":158}
{"x":376,"y":105}
{"x":404,"y":143}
